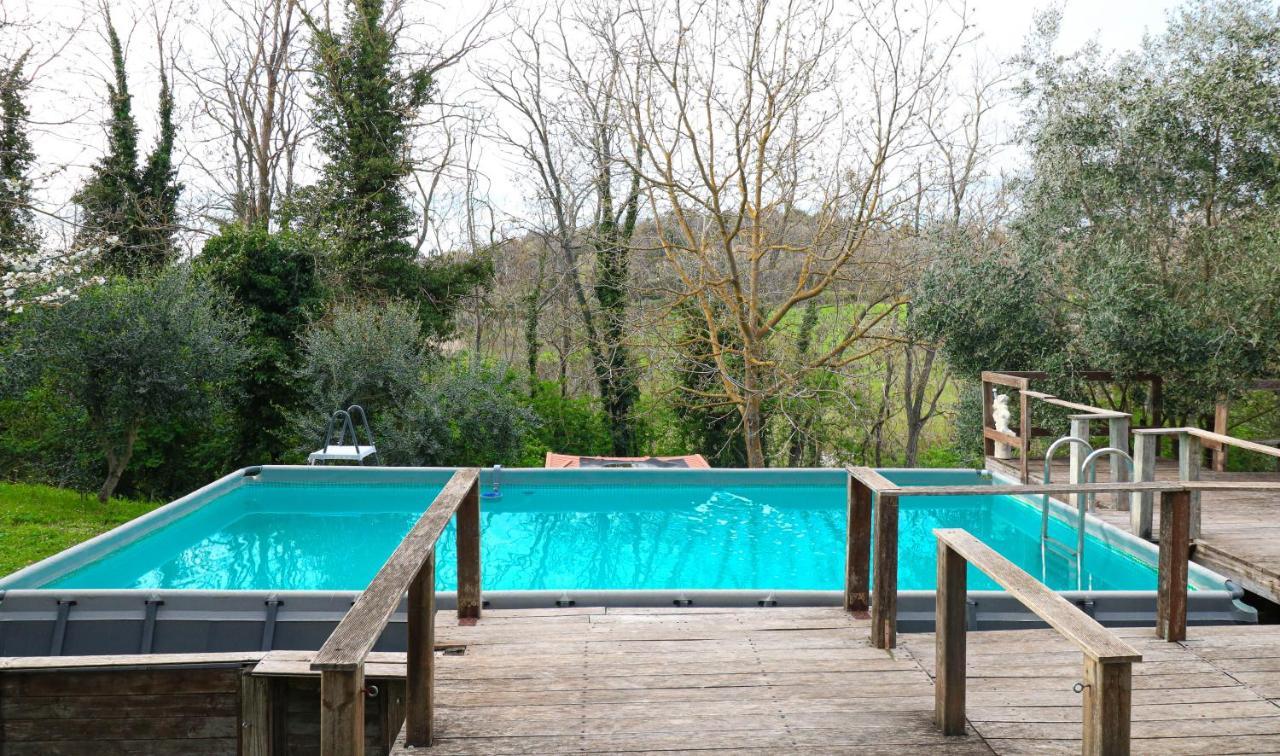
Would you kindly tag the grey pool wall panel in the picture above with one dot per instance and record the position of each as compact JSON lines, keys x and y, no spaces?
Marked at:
{"x":45,"y":623}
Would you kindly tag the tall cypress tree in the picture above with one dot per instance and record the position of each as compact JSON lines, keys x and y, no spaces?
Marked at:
{"x":128,"y":212}
{"x":18,"y":234}
{"x":365,"y":105}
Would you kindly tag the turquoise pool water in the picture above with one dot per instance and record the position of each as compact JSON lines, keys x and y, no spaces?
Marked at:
{"x":292,"y":536}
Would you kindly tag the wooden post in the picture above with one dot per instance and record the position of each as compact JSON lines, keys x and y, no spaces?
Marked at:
{"x":468,"y":541}
{"x":949,"y":666}
{"x":1118,"y":438}
{"x":988,"y":446}
{"x":1156,"y":419}
{"x":1079,"y":429}
{"x":420,"y":661}
{"x":342,"y":712}
{"x":1024,"y":435}
{"x":1221,"y":410}
{"x":1108,"y":696}
{"x":884,"y":597}
{"x":255,"y":715}
{"x":1189,"y":469}
{"x":857,"y":578}
{"x":1145,"y":448}
{"x":1175,"y":544}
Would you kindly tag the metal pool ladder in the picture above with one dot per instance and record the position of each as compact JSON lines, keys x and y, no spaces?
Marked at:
{"x":340,"y":449}
{"x":1077,"y":552}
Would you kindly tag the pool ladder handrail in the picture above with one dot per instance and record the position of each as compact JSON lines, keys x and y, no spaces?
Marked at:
{"x":1078,"y":552}
{"x":1089,"y":471}
{"x":349,"y":427}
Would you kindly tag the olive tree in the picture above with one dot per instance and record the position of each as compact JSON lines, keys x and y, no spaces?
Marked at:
{"x":130,"y":354}
{"x":1145,"y":238}
{"x":424,"y":409}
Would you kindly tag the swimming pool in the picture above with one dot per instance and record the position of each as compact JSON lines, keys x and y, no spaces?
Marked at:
{"x":312,"y":537}
{"x":552,"y":533}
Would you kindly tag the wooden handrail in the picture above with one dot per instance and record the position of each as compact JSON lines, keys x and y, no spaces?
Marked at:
{"x":354,"y":637}
{"x":1097,"y":413}
{"x":1097,"y":642}
{"x":411,"y":567}
{"x":1176,"y":498}
{"x":1042,"y":488}
{"x":1117,"y":422}
{"x":1108,"y":668}
{"x":871,"y":478}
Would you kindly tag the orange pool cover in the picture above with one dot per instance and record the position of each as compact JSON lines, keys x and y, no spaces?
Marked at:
{"x":574,"y":460}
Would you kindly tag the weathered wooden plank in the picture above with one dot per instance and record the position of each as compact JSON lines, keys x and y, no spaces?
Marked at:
{"x":1141,"y":503}
{"x":1095,"y":640}
{"x":342,"y":713}
{"x":122,"y":682}
{"x":255,"y":716}
{"x":1008,"y":380}
{"x":949,"y":682}
{"x":468,"y":552}
{"x":991,"y":434}
{"x":137,"y":661}
{"x":884,"y":597}
{"x":139,"y":727}
{"x":353,"y":638}
{"x":1175,"y":546}
{"x":872,"y":479}
{"x":420,"y":665}
{"x":99,"y":747}
{"x":1108,"y":695}
{"x":857,"y":579}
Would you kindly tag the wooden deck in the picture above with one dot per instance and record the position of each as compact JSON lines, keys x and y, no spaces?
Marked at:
{"x":1240,"y":530}
{"x":785,"y":680}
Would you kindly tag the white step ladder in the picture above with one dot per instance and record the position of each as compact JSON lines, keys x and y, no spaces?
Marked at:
{"x":346,"y":447}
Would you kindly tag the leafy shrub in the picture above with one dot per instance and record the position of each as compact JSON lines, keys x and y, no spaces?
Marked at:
{"x":127,"y":357}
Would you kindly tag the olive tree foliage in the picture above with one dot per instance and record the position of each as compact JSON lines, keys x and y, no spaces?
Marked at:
{"x":423,"y":409}
{"x":1145,"y":241}
{"x":130,"y":355}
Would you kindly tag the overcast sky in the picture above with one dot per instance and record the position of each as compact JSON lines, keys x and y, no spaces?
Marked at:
{"x":68,"y":108}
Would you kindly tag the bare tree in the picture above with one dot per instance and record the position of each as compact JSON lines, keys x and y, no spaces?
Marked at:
{"x":565,"y":98}
{"x":772,"y":143}
{"x":956,"y":203}
{"x":251,"y":112}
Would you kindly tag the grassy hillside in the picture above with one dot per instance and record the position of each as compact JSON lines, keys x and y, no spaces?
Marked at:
{"x":37,"y":521}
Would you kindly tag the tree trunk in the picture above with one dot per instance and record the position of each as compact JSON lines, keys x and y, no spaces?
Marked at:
{"x":752,"y":417}
{"x":117,"y":463}
{"x":532,"y":312}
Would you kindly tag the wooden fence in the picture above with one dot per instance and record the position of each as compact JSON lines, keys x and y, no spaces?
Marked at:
{"x":1108,"y":661}
{"x":410,"y":567}
{"x":873,"y":511}
{"x":1191,"y":442}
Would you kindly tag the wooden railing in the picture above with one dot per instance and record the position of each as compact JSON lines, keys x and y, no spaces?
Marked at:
{"x":873,"y":510}
{"x":411,"y":567}
{"x":1118,"y":423}
{"x":1108,"y":660}
{"x":1191,"y":441}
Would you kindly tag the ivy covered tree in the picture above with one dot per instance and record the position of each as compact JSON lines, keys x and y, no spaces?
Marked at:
{"x":706,"y":424}
{"x":366,"y":103}
{"x":19,"y":237}
{"x":273,"y":278}
{"x":128,"y":212}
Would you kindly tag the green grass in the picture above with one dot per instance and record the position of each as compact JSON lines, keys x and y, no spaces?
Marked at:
{"x":38,"y":521}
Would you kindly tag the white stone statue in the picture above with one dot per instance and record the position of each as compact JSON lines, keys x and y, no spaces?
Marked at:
{"x":1000,"y":416}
